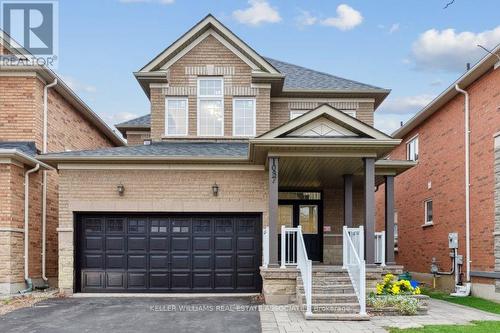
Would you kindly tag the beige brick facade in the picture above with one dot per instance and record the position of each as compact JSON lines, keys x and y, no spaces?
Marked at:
{"x":152,"y":191}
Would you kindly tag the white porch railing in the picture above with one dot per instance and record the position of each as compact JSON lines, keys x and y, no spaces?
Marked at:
{"x":265,"y":247}
{"x":293,"y":252}
{"x":353,"y":252}
{"x":380,"y":248}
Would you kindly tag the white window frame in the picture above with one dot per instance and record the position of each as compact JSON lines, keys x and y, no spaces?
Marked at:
{"x":254,"y":115}
{"x":302,"y":112}
{"x":209,"y":98}
{"x":166,"y":114}
{"x":417,"y":148}
{"x":426,"y":223}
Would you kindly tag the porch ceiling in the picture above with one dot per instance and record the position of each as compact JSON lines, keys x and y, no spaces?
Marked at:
{"x":319,"y":172}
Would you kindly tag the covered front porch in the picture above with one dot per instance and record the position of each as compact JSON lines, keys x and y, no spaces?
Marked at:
{"x":323,"y":169}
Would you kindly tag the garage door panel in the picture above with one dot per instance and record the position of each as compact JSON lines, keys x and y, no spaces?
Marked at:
{"x":116,"y":261}
{"x":180,"y":261}
{"x":180,"y":243}
{"x":202,"y":281}
{"x":159,"y":280}
{"x":202,"y":262}
{"x":223,"y":261}
{"x":93,"y":261}
{"x":181,"y":281}
{"x":158,"y":243}
{"x":116,"y":280}
{"x":137,"y":261}
{"x":158,"y":262}
{"x":115,"y":243}
{"x":137,"y":243}
{"x":161,"y":253}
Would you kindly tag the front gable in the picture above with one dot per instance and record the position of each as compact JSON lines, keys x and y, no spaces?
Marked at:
{"x":325,"y":122}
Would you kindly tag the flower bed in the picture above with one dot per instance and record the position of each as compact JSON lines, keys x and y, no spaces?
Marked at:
{"x":396,"y":298}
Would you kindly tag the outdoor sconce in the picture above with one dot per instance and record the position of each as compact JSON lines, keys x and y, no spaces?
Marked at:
{"x":215,"y":189}
{"x":121,"y":189}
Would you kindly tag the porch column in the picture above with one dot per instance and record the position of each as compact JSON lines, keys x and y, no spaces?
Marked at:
{"x":389,"y":220}
{"x":273,"y":211}
{"x":348,"y":201}
{"x":369,"y":189}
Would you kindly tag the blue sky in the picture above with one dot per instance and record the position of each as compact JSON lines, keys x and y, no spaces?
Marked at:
{"x":406,"y":46}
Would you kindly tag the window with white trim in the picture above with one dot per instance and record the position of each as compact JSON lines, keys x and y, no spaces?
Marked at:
{"x":297,"y":113}
{"x":412,"y":149}
{"x":210,"y":106}
{"x":428,"y":212}
{"x":244,"y":117}
{"x":176,"y":116}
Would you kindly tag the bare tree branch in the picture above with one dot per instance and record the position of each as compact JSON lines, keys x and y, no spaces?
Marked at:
{"x":449,"y":4}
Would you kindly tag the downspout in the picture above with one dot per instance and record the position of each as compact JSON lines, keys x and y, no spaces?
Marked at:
{"x":26,"y":228}
{"x":44,"y":186}
{"x":467,"y":181}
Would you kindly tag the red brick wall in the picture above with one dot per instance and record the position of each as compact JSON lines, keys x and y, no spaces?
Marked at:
{"x":21,"y":103}
{"x":441,"y":141}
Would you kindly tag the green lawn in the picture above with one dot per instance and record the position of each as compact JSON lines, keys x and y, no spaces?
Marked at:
{"x":471,"y":301}
{"x":474,"y":327}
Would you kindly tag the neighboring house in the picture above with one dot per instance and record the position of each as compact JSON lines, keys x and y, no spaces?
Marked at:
{"x":71,"y":125}
{"x":431,"y":199}
{"x":235,"y":143}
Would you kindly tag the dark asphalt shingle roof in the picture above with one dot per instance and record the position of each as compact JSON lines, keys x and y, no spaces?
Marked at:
{"x":298,"y":77}
{"x":27,"y":147}
{"x":143,"y":121}
{"x":167,"y":149}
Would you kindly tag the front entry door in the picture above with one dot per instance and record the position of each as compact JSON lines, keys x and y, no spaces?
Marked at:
{"x":308,"y":214}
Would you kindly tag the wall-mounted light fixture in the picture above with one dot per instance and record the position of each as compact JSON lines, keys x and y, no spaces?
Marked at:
{"x":215,"y":189}
{"x":121,"y":189}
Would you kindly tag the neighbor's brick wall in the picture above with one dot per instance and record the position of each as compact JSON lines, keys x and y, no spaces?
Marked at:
{"x":212,"y":58}
{"x":150,"y":191}
{"x":137,"y":139}
{"x":441,"y":145}
{"x":21,"y":102}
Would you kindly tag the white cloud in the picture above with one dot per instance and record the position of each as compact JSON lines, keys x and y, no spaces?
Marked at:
{"x":436,"y":82}
{"x":260,"y":11}
{"x":388,"y":123}
{"x":306,"y":19}
{"x":347,"y":18}
{"x":394,"y":28}
{"x":405,"y":104}
{"x":450,"y":51}
{"x":163,"y":2}
{"x":78,"y":86}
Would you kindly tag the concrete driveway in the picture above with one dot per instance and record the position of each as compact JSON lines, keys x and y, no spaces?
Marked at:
{"x":136,"y":314}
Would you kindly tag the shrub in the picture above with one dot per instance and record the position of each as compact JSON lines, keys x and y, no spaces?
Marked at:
{"x":405,"y":305}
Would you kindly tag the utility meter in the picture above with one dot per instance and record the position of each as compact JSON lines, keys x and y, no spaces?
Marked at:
{"x":453,"y":240}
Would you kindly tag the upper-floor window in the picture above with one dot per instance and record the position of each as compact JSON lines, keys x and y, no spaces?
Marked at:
{"x":412,"y":149}
{"x":296,"y":113}
{"x":210,"y":106}
{"x":428,"y":212}
{"x":176,"y":117}
{"x":244,"y":117}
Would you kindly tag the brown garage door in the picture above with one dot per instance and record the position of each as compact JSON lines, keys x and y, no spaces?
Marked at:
{"x":168,"y":253}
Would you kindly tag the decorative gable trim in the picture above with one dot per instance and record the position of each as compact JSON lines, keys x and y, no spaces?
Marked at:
{"x":344,"y":124}
{"x":322,"y":127}
{"x":210,"y":25}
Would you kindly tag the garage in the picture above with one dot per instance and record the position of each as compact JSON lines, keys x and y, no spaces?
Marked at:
{"x":168,"y":253}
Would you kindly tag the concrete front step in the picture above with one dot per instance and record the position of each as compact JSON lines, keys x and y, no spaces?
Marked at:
{"x":331,"y":299}
{"x":337,"y":308}
{"x":329,"y":289}
{"x":337,"y":316}
{"x":329,"y":279}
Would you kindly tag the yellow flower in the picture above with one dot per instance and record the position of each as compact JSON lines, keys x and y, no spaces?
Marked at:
{"x":395,"y":289}
{"x":417,"y":291}
{"x":380,"y":288}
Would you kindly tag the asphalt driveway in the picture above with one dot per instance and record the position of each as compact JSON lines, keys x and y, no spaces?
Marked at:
{"x":131,"y":314}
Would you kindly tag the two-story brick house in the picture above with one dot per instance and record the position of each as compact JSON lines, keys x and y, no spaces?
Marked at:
{"x":235,"y":144}
{"x":27,"y":93}
{"x":431,"y":198}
